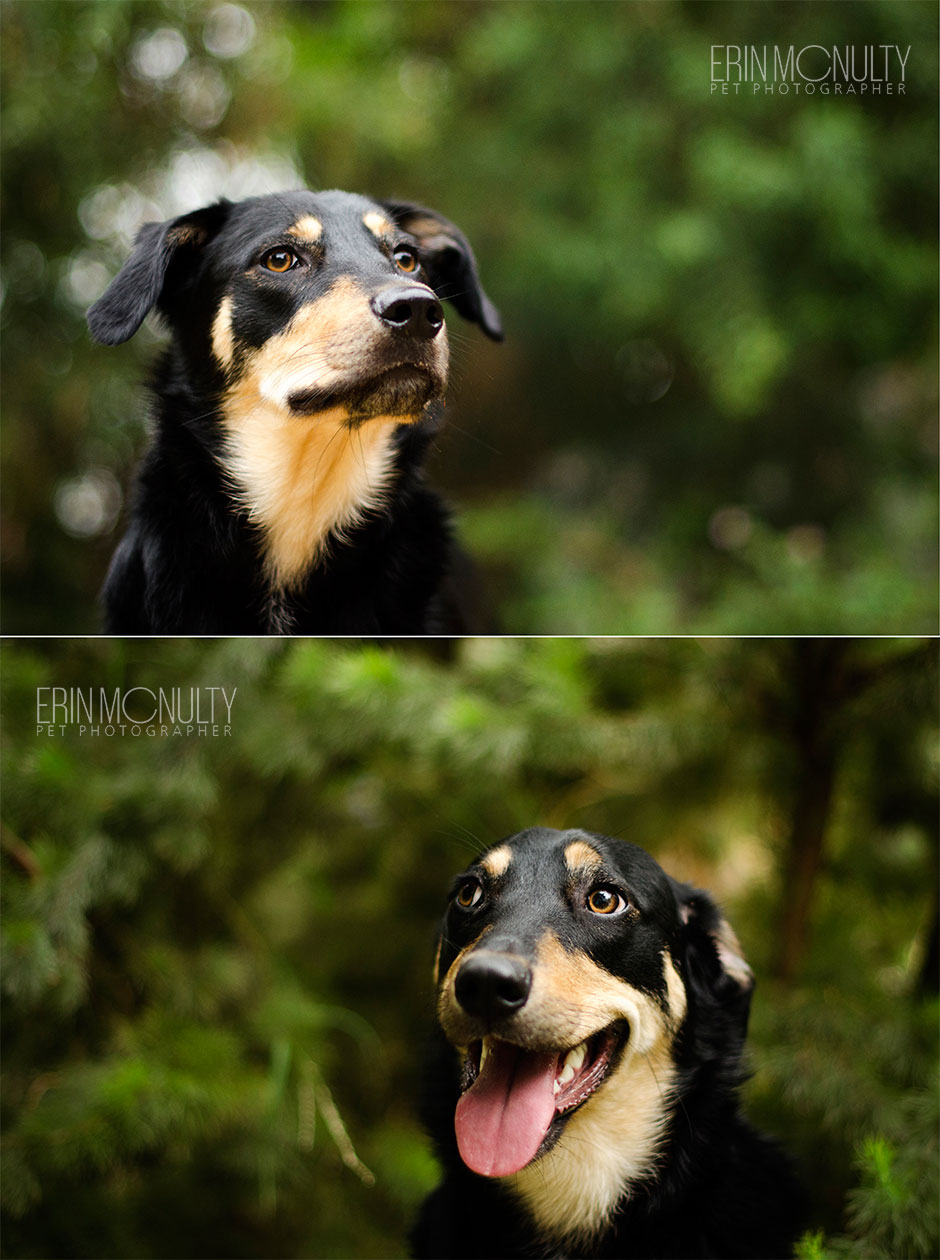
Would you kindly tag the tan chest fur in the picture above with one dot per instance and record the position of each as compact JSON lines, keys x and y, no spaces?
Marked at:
{"x":304,"y":480}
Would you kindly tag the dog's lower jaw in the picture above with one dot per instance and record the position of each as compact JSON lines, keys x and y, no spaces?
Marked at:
{"x":607,"y":1145}
{"x":403,"y":390}
{"x":304,"y":481}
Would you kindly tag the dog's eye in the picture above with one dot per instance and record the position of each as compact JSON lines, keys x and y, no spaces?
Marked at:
{"x":605,"y":901}
{"x":280,"y":260}
{"x":405,"y":258}
{"x":469,"y":893}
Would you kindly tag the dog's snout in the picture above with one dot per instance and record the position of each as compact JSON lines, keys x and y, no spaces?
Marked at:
{"x":491,"y":985}
{"x":413,"y":311}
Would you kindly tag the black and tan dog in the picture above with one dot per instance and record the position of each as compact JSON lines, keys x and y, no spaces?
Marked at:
{"x":583,"y":1095}
{"x":282,"y":492}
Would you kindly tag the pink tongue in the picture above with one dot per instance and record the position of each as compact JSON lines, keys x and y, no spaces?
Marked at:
{"x":502,"y":1118}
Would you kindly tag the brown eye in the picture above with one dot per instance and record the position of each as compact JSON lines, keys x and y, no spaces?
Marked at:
{"x":606,"y":901}
{"x":405,"y":259}
{"x":469,"y":893}
{"x":280,"y":260}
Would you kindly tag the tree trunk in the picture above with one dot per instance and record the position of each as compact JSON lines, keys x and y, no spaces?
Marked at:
{"x":818,"y":679}
{"x":804,"y":856}
{"x":929,"y":978}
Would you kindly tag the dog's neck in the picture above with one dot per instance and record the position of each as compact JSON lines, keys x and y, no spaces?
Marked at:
{"x":304,"y":480}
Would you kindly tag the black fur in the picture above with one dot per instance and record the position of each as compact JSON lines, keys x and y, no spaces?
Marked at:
{"x":192,"y":559}
{"x":718,"y":1188}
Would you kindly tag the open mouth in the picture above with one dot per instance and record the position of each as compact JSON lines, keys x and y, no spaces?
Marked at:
{"x":515,"y":1102}
{"x":402,"y":390}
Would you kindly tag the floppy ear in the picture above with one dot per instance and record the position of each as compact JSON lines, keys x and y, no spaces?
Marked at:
{"x":718,"y":980}
{"x":145,"y":280}
{"x":450,"y":263}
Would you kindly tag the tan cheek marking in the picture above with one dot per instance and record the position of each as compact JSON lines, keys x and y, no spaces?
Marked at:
{"x":676,"y":997}
{"x":435,"y":973}
{"x":306,"y":229}
{"x":377,"y":223}
{"x":573,"y":997}
{"x":342,"y":304}
{"x":497,"y":862}
{"x":315,"y":342}
{"x":579,"y":854}
{"x":223,"y":346}
{"x":571,"y":981}
{"x":574,"y":979}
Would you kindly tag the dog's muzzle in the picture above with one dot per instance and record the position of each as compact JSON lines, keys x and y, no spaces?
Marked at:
{"x":514,"y":1097}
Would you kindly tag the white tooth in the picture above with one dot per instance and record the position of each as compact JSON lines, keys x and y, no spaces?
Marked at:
{"x":484,"y":1051}
{"x":566,"y":1075}
{"x":575,"y":1058}
{"x":557,"y":1087}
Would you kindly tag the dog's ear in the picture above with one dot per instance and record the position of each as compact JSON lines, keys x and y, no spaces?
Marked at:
{"x":152,"y":272}
{"x":718,"y":980}
{"x":450,"y":263}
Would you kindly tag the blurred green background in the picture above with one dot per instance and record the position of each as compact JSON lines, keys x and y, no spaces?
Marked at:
{"x":715,"y":411}
{"x":216,"y":952}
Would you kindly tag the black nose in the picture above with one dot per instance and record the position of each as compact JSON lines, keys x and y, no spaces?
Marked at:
{"x":413,"y":311}
{"x":492,"y":985}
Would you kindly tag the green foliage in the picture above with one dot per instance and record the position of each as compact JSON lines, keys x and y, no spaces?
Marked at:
{"x":216,"y":951}
{"x":715,"y":410}
{"x":894,"y":1207}
{"x":810,"y":1247}
{"x":580,"y":573}
{"x":893,"y":1210}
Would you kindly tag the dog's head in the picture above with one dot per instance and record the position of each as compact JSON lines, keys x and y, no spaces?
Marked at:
{"x":576,"y":979}
{"x":305,"y":302}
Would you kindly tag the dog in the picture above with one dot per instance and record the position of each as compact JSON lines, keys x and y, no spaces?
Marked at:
{"x":304,"y":381}
{"x":582,"y":1088}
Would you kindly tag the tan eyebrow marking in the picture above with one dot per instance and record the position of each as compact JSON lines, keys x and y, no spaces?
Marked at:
{"x":306,"y":229}
{"x":579,"y":854}
{"x":497,"y":862}
{"x":377,"y":223}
